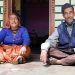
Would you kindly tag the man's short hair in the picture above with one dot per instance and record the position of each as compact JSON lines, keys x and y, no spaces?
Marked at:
{"x":66,"y":5}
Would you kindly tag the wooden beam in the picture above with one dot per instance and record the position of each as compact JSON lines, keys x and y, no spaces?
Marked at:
{"x":51,"y":16}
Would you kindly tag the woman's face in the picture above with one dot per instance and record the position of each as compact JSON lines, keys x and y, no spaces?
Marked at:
{"x":14,"y":22}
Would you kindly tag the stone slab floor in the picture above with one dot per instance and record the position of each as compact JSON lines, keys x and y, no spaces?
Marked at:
{"x":35,"y":67}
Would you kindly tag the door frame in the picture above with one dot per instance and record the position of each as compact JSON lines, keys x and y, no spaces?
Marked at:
{"x":8,"y":10}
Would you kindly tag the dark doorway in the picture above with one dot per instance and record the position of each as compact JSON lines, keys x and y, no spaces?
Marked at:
{"x":35,"y":16}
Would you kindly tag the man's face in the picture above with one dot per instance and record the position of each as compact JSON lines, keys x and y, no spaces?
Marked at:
{"x":68,"y":15}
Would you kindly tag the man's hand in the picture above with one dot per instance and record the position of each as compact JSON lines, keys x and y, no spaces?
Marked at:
{"x":43,"y":56}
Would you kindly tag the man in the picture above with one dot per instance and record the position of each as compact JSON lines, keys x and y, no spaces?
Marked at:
{"x":60,"y":46}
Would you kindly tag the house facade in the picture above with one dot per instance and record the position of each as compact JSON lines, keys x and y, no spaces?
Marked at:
{"x":41,"y":17}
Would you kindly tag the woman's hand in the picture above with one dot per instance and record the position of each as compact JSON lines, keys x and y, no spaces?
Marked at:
{"x":23,"y":50}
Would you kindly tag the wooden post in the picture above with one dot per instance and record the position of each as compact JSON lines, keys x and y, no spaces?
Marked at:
{"x":51,"y":16}
{"x":7,"y":10}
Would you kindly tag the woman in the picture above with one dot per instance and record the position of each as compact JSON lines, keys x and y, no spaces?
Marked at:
{"x":14,"y":42}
